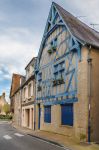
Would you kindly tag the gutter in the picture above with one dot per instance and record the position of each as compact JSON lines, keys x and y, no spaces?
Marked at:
{"x":89,"y":60}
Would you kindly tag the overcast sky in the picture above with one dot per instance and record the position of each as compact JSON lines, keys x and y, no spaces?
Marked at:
{"x":22,"y":25}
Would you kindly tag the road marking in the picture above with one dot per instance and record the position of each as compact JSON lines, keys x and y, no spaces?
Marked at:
{"x":3,"y":122}
{"x":7,"y":137}
{"x":18,"y":134}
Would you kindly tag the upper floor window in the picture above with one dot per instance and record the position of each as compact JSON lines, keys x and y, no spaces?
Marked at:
{"x":59,"y":73}
{"x":39,"y":76}
{"x":59,"y":67}
{"x":29,"y":90}
{"x":39,"y":88}
{"x":54,"y":43}
{"x":53,"y":46}
{"x":24,"y":93}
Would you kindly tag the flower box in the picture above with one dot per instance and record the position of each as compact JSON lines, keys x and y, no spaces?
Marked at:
{"x":58,"y":82}
{"x":61,"y":81}
{"x":49,"y":51}
{"x":52,"y":49}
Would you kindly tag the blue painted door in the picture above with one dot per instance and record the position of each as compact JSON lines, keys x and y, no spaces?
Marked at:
{"x":39,"y":116}
{"x":67,"y":114}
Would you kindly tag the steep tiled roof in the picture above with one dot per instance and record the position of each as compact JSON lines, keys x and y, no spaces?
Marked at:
{"x":78,"y":29}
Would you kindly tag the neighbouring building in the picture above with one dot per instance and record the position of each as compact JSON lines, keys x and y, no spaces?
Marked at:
{"x":67,"y":77}
{"x":15,"y":98}
{"x":2,"y":103}
{"x":28,"y":96}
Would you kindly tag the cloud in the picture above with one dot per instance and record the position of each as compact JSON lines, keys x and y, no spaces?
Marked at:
{"x":17,"y":48}
{"x":22,"y":25}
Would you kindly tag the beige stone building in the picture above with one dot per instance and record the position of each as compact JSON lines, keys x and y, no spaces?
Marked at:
{"x":15,"y":98}
{"x":22,"y":95}
{"x":2,"y":103}
{"x":67,"y":77}
{"x":28,"y":96}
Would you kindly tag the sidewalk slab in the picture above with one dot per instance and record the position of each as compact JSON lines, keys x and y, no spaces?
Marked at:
{"x":58,"y":139}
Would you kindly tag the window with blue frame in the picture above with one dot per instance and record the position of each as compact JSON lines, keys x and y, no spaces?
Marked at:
{"x":53,"y":46}
{"x":39,"y":81}
{"x":60,"y":67}
{"x":54,"y":42}
{"x":59,"y":70}
{"x":39,"y":76}
{"x":47,"y":114}
{"x":67,"y":114}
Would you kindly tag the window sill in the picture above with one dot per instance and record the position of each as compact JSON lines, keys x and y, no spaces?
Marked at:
{"x":47,"y":123}
{"x":66,"y":126}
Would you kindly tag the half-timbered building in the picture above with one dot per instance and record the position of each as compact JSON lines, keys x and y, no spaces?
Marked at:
{"x":67,"y":77}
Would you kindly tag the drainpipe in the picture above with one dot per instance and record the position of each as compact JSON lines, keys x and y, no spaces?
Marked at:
{"x":34,"y":103}
{"x":89,"y":60}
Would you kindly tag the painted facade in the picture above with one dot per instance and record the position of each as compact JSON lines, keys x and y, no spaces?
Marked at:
{"x":63,"y":96}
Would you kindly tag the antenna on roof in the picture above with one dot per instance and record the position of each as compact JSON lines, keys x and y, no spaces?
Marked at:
{"x":80,"y":16}
{"x":94,"y":24}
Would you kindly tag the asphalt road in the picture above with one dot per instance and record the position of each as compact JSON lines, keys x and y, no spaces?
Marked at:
{"x":12,"y":139}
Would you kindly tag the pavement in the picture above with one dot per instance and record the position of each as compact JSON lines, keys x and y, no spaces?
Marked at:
{"x":61,"y":140}
{"x":15,"y":139}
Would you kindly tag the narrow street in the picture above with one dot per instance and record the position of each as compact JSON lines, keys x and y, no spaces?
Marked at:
{"x":12,"y":139}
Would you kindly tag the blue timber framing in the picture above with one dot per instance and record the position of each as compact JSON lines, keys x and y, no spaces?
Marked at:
{"x":64,"y":101}
{"x":73,"y":51}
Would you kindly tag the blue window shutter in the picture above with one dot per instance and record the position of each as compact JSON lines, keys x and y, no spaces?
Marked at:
{"x":47,"y":114}
{"x":67,"y":114}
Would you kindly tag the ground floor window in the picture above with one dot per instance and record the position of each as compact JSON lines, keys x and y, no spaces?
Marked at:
{"x":47,"y":114}
{"x":67,"y":114}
